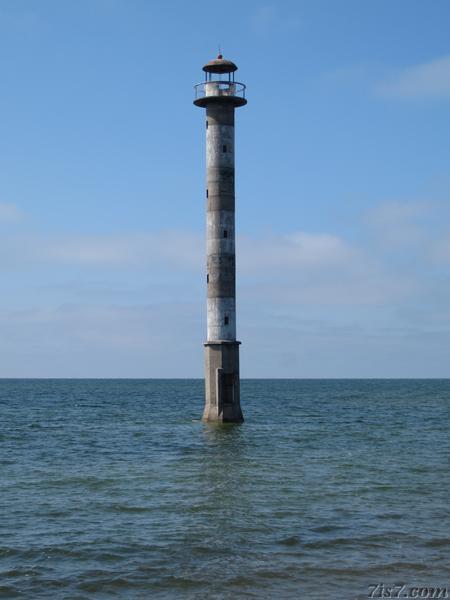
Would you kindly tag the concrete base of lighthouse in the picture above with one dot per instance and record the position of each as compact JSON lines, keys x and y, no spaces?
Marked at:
{"x":222,"y":397}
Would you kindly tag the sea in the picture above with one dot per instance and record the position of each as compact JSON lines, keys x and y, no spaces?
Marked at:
{"x":330,"y":489}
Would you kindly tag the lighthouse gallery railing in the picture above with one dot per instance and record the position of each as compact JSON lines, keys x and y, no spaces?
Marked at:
{"x":219,"y":88}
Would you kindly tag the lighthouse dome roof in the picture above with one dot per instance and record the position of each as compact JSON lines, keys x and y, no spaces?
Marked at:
{"x":220,"y":65}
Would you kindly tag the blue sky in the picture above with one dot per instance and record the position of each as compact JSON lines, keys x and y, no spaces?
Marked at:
{"x":343,"y":187}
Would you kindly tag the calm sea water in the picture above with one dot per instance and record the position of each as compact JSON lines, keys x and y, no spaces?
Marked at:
{"x":114,"y":488}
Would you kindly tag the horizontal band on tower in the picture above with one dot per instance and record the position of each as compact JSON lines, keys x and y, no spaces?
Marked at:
{"x":221,"y":269}
{"x":219,"y":203}
{"x":222,"y":343}
{"x":220,"y":175}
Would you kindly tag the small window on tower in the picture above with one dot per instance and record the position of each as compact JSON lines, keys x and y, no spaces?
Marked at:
{"x":225,"y":233}
{"x":226,"y":320}
{"x":207,"y":193}
{"x":206,"y":124}
{"x":207,"y":278}
{"x":224,"y":148}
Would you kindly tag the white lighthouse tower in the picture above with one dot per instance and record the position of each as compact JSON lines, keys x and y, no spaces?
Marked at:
{"x":220,"y":94}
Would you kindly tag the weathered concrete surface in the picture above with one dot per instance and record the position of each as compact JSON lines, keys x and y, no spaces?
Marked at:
{"x":220,"y":229}
{"x":222,"y":383}
{"x":222,"y":386}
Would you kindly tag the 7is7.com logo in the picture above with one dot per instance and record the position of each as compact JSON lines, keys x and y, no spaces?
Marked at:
{"x":380,"y":590}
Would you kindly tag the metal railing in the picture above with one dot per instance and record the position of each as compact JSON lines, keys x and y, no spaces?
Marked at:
{"x":219,"y":88}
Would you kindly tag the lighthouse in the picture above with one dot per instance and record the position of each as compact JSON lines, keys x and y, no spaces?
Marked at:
{"x":220,"y":95}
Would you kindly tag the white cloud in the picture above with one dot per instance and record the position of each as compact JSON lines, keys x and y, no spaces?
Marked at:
{"x":429,"y":80}
{"x":351,"y":287}
{"x":307,"y":267}
{"x":178,"y":249}
{"x":316,"y":269}
{"x":73,"y":340}
{"x":9,"y":213}
{"x":305,"y":292}
{"x":412,"y":236}
{"x":399,"y":223}
{"x":174,"y":249}
{"x":440,"y":251}
{"x":296,"y":250}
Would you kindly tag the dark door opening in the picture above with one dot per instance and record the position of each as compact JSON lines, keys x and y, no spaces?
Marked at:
{"x":226,"y":387}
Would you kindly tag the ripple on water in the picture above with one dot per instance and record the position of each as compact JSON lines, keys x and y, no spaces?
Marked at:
{"x":116,"y":489}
